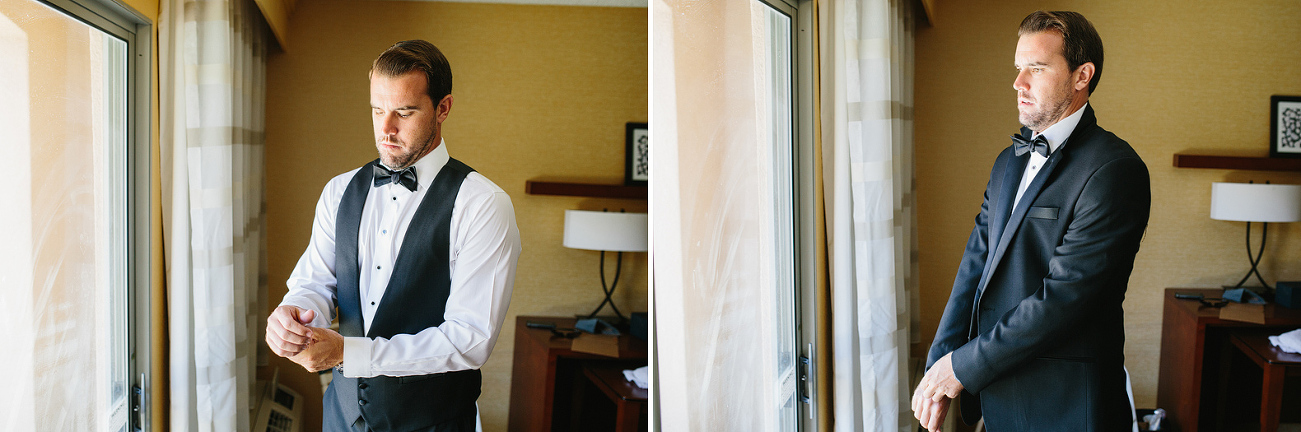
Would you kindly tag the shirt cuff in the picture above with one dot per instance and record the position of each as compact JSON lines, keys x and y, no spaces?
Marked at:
{"x":356,"y":357}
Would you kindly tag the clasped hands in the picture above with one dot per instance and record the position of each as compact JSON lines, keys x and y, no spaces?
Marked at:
{"x":314,"y":348}
{"x":939,"y":386}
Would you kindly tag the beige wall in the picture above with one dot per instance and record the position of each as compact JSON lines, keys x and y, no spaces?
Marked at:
{"x":1178,"y":76}
{"x":540,"y":91}
{"x":148,"y":8}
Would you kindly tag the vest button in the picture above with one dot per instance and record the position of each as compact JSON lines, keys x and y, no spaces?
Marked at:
{"x":362,"y":386}
{"x":361,"y":402}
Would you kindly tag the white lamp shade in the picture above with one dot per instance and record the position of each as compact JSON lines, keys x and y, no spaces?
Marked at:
{"x":606,"y":231}
{"x":1255,"y":202}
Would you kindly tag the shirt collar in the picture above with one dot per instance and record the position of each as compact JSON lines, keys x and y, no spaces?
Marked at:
{"x":1060,"y":131}
{"x":428,"y":166}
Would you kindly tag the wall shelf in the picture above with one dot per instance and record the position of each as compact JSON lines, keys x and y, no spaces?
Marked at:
{"x":1254,"y":163}
{"x":584,"y":189}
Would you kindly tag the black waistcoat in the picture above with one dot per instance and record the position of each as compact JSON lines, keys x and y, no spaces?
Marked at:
{"x":414,"y":300}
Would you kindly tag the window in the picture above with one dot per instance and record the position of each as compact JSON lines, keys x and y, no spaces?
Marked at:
{"x":734,"y":233}
{"x":786,"y":40}
{"x":777,"y":154}
{"x":67,"y":262}
{"x":786,"y":151}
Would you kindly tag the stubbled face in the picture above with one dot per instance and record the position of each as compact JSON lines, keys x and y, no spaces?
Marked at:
{"x":1045,"y":85}
{"x":408,"y":124}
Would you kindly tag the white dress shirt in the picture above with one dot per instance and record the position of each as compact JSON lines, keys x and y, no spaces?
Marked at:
{"x":485,"y":246}
{"x":1056,"y":136}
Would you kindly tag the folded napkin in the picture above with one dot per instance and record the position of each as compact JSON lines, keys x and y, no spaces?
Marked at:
{"x":1290,"y":341}
{"x":596,"y":326}
{"x":1243,"y":295}
{"x":639,"y":376}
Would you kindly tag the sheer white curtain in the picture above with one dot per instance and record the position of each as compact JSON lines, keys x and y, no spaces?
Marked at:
{"x":867,"y":56}
{"x":212,"y":82}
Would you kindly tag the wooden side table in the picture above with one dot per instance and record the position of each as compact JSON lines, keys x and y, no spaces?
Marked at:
{"x":629,"y":400}
{"x":1276,"y":364}
{"x":545,"y":368}
{"x":1193,"y":339}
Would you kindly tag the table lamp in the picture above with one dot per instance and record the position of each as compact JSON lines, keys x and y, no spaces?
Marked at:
{"x":1255,"y":202}
{"x":606,"y":231}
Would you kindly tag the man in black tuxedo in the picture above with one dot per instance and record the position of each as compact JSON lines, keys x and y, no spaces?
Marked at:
{"x":416,"y":253}
{"x":1033,"y":335}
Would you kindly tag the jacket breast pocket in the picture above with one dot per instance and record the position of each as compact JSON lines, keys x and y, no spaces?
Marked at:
{"x":1042,"y":213}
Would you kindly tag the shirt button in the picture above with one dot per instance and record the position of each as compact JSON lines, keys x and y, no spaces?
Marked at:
{"x":383,"y":232}
{"x":395,"y":198}
{"x":378,"y":267}
{"x":372,"y":303}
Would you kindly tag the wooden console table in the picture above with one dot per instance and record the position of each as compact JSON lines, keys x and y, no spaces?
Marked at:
{"x":1276,"y":364}
{"x":545,"y":370}
{"x":1193,"y":341}
{"x":629,"y":400}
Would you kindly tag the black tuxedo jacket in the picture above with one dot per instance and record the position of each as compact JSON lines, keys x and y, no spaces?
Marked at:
{"x":1035,"y":322}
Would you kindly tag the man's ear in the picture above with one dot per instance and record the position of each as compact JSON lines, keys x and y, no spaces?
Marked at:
{"x":1083,"y":75}
{"x":445,"y":107}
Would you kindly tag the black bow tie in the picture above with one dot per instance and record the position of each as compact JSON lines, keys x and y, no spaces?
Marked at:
{"x":406,"y":177}
{"x":1038,"y":145}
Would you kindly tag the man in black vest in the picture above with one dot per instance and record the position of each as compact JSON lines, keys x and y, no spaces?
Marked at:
{"x":417,"y":254}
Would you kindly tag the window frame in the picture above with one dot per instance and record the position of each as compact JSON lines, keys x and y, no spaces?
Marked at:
{"x":137,"y":31}
{"x":805,"y":219}
{"x":810,"y":322}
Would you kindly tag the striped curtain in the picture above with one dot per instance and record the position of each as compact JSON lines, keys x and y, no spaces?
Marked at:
{"x":212,"y":65}
{"x":866,"y":62}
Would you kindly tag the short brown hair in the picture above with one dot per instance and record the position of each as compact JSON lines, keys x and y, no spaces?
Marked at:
{"x":1080,"y":41}
{"x":417,"y":54}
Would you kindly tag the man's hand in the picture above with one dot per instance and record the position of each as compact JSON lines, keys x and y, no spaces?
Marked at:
{"x":324,"y":352}
{"x":930,"y":403}
{"x":931,"y":413}
{"x":939,"y":381}
{"x":287,"y":334}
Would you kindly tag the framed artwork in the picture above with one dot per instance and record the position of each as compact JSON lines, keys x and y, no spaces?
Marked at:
{"x":1285,"y":126}
{"x":636,"y":167}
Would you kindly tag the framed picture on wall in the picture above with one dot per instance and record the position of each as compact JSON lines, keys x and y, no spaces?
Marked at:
{"x":1285,"y":126}
{"x":636,"y":167}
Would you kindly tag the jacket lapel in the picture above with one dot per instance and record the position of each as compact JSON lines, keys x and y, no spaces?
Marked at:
{"x":1006,"y":197}
{"x":1018,"y":214}
{"x":1009,"y":229}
